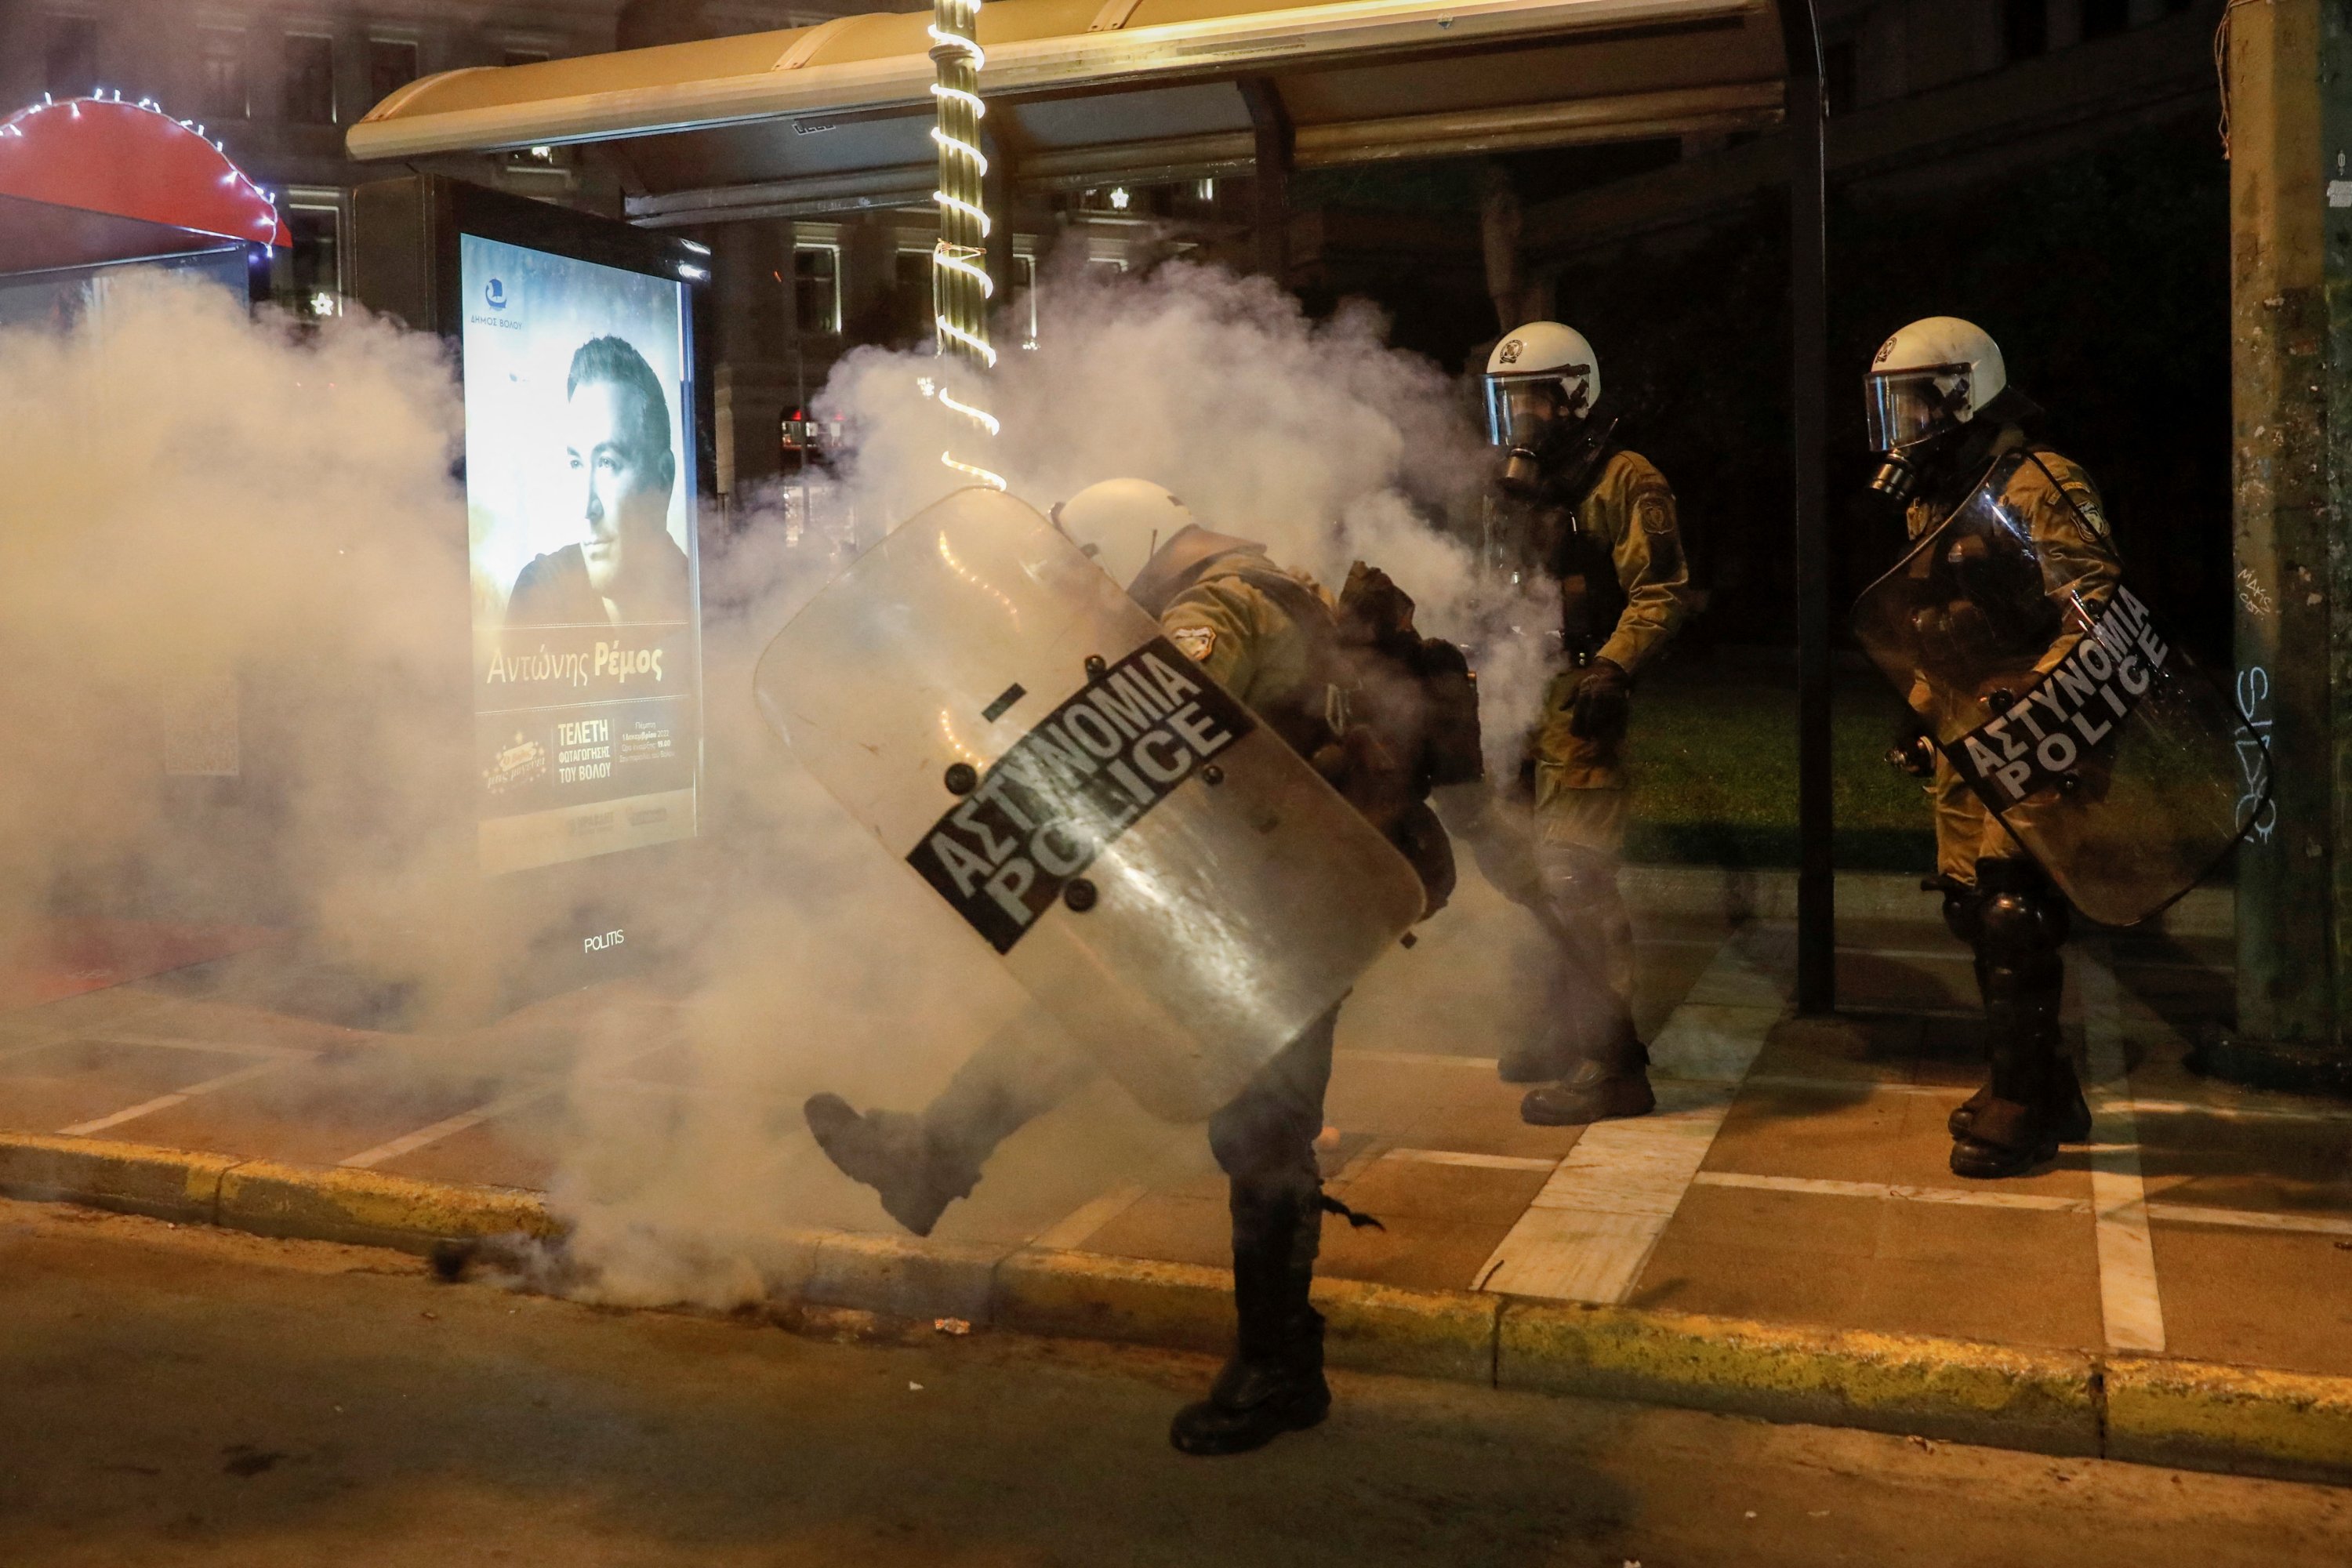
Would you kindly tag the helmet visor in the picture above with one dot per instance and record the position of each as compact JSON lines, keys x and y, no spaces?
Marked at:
{"x":1908,"y":406}
{"x":1520,"y":409}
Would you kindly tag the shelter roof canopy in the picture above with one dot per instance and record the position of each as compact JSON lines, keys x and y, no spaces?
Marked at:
{"x":1079,"y":89}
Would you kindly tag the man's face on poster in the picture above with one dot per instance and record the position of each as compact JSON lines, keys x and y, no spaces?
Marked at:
{"x":622,"y":489}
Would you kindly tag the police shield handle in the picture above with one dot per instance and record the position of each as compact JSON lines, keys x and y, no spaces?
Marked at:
{"x":1178,"y":889}
{"x":2078,"y":721}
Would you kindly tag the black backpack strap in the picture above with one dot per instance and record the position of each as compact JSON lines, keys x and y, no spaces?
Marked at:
{"x":1299,"y":602}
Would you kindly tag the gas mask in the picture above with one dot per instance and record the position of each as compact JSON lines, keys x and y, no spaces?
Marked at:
{"x":1532,"y":421}
{"x":1917,"y":418}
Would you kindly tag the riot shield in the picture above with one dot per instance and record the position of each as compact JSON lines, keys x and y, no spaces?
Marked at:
{"x":2109,"y":755}
{"x":1152,"y":862}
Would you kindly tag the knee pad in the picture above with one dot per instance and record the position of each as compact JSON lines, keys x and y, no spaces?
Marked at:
{"x":1577,"y":878}
{"x":1963,"y":909}
{"x":2023,"y":920}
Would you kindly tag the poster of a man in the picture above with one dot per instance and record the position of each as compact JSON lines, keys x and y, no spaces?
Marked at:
{"x":580,"y":499}
{"x":624,"y":568}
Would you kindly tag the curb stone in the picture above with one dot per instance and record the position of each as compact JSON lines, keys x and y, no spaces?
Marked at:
{"x":2149,"y":1410}
{"x":2199,"y":1416}
{"x":370,"y":1208}
{"x":1961,"y":1390}
{"x":132,"y":1178}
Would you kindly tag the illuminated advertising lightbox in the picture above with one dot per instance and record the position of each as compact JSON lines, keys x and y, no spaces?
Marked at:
{"x":580,"y":541}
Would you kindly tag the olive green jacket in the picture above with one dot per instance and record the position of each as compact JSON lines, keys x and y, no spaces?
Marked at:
{"x":1199,"y":588}
{"x":1631,"y":509}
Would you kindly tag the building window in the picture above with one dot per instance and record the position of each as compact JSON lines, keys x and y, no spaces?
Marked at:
{"x":308,"y":279}
{"x":1025,"y":283}
{"x":391,"y":65}
{"x":524,"y":58}
{"x":71,"y":62}
{"x":2025,"y":28}
{"x":2104,"y":18}
{"x":309,"y":80}
{"x":910,"y":297}
{"x":221,"y":88}
{"x":816,"y":288}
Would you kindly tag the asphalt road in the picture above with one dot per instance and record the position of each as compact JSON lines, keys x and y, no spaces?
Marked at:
{"x":190,"y":1397}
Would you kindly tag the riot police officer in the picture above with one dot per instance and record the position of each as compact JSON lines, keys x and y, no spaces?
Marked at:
{"x":1265,"y":635}
{"x":1574,"y":505}
{"x":1949,"y":428}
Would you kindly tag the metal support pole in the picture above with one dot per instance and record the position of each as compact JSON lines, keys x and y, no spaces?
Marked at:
{"x":960,"y":285}
{"x":1277,"y":144}
{"x":1809,"y":409}
{"x":996,"y":196}
{"x":2289,"y":105}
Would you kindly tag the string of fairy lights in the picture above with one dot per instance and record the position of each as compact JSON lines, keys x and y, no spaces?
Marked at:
{"x":12,"y":127}
{"x":960,"y":286}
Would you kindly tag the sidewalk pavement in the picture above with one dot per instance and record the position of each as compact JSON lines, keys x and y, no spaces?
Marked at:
{"x":1783,"y":1234}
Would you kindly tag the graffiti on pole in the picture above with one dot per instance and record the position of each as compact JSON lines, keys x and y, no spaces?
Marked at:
{"x":2257,"y":810}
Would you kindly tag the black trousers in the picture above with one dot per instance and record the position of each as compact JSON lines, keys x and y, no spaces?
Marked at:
{"x":1264,"y":1139}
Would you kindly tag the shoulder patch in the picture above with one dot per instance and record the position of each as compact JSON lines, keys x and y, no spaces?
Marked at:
{"x":2090,"y":521}
{"x":1657,"y":517}
{"x":2073,"y":502}
{"x":1195,"y":643}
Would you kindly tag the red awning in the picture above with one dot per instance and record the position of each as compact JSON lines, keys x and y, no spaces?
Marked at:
{"x":86,"y":180}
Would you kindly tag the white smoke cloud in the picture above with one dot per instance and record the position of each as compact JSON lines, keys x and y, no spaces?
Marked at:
{"x":1313,"y":438}
{"x":208,"y":512}
{"x":198,"y":498}
{"x":1316,"y":439}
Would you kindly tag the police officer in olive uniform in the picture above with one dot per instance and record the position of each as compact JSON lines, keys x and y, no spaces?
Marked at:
{"x":1253,"y":627}
{"x":1944,"y":418}
{"x":1574,"y":505}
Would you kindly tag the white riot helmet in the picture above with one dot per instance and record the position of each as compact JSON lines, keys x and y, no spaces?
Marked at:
{"x":1122,"y":523}
{"x":1541,"y":375}
{"x":1929,"y":379}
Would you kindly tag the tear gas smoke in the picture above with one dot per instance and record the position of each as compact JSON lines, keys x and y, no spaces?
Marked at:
{"x":203,"y":504}
{"x":1315,"y":438}
{"x":211,"y":523}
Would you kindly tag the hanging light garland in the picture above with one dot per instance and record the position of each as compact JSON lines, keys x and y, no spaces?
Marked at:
{"x":960,"y":286}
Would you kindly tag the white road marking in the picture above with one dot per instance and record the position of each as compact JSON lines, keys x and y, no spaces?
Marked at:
{"x":2129,"y":1302}
{"x":2249,"y":1220}
{"x":1849,"y":1085}
{"x":1082,"y":1221}
{"x":1479,"y":1161}
{"x":165,"y":1102}
{"x":1953,"y":954}
{"x":491,"y":1111}
{"x":448,"y":1127}
{"x":1592,"y":1229}
{"x":221,"y":1048}
{"x":1418,"y":1059}
{"x":2237,"y":1112}
{"x":1967,"y":1197}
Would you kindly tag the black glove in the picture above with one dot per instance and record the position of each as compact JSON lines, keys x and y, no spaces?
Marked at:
{"x":1602,"y":703}
{"x":1914,"y":755}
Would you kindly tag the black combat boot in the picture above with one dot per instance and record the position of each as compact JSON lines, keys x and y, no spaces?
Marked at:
{"x":2018,"y":1121}
{"x":1273,"y":1383}
{"x":894,"y":1154}
{"x":1613,"y":1083}
{"x":2069,"y":1111}
{"x":1598,"y":1066}
{"x":1963,"y":913}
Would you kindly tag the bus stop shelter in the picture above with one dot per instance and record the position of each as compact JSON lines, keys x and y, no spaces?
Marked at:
{"x":89,"y":181}
{"x":1085,"y":91}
